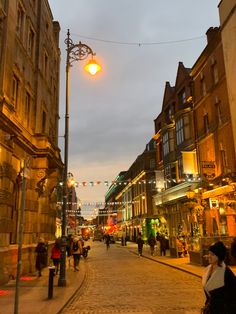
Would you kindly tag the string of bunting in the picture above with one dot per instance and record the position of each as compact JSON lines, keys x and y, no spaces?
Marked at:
{"x":97,"y":204}
{"x":100,"y":211}
{"x":120,"y":182}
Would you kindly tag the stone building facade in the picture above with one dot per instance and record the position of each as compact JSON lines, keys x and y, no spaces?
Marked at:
{"x":29,"y":115}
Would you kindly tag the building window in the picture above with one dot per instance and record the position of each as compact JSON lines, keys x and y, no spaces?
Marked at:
{"x":20,"y":21}
{"x":180,"y":168}
{"x":45,"y":64}
{"x":152,"y":164}
{"x":182,"y":97}
{"x":218,"y":111}
{"x":214,"y":71}
{"x":31,"y":40}
{"x":44,"y":122}
{"x":203,"y":87}
{"x":179,"y":131}
{"x":165,"y":140}
{"x":27,"y":108}
{"x":159,"y":151}
{"x":15,"y":90}
{"x":206,"y":122}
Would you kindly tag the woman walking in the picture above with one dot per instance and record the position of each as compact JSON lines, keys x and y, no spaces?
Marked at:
{"x":56,"y":255}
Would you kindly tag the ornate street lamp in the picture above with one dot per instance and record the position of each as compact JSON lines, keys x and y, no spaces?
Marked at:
{"x":75,"y":52}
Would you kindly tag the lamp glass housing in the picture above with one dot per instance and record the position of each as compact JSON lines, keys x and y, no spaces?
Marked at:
{"x":92,"y":67}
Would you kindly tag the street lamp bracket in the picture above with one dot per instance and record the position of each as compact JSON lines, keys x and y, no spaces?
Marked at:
{"x":76,"y":52}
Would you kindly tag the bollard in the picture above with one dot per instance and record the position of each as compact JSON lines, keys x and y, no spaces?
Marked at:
{"x":50,"y":281}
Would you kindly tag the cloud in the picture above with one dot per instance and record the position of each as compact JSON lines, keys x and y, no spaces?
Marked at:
{"x":111,"y":114}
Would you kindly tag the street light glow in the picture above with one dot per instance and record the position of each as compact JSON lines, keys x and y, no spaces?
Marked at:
{"x":92,"y":67}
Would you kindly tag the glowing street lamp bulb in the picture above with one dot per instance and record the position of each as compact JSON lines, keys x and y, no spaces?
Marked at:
{"x":92,"y":67}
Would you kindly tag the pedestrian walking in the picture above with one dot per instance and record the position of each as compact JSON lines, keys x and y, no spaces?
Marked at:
{"x":56,"y":255}
{"x":152,"y":243}
{"x":69,"y":248}
{"x":77,"y":250}
{"x":140,"y":243}
{"x":179,"y":247}
{"x":107,"y":239}
{"x":41,"y":256}
{"x":219,"y":283}
{"x":163,"y":245}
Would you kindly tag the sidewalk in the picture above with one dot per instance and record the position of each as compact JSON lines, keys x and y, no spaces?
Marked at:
{"x":33,"y":292}
{"x":182,"y":263}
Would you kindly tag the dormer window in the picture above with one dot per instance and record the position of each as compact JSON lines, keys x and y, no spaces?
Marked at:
{"x":182,"y":97}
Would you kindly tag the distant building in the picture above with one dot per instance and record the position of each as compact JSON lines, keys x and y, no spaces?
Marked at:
{"x":131,"y":195}
{"x":29,"y":114}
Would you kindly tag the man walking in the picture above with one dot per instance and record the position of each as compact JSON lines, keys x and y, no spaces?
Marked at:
{"x":140,"y":243}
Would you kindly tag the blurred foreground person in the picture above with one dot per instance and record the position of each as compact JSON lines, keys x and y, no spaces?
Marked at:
{"x":219,"y":283}
{"x":42,"y":255}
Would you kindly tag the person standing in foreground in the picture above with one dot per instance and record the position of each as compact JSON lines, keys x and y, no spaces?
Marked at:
{"x":219,"y":283}
{"x":140,"y":243}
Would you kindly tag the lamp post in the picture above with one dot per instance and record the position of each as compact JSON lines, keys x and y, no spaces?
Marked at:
{"x":75,"y":52}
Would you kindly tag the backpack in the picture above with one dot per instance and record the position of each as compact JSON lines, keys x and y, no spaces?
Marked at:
{"x":75,"y":246}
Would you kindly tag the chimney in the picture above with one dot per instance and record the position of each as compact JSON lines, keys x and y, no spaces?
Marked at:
{"x":211,"y":33}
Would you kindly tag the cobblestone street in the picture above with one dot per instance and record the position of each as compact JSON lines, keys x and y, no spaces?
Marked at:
{"x":121,"y":282}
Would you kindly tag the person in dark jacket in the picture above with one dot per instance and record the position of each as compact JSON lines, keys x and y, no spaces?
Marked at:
{"x":42,"y":255}
{"x":152,"y":243}
{"x":140,"y":243}
{"x":219,"y":282}
{"x":163,"y":245}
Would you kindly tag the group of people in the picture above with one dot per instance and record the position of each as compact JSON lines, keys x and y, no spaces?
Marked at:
{"x":74,"y":248}
{"x":159,"y":240}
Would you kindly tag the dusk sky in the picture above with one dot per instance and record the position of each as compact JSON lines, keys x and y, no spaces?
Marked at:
{"x":139,"y":45}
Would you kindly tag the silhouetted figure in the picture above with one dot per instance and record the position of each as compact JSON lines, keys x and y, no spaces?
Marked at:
{"x":152,"y":243}
{"x":42,"y":255}
{"x":107,"y":239}
{"x":140,"y":243}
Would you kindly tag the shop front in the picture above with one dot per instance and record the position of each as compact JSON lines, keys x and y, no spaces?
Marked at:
{"x":173,"y":208}
{"x":216,"y":222}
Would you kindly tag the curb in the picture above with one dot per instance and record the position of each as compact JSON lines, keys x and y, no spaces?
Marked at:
{"x":83,"y":281}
